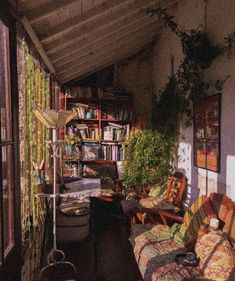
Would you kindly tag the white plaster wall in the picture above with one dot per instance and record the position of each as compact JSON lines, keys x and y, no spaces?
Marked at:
{"x":220,"y":22}
{"x":135,"y":75}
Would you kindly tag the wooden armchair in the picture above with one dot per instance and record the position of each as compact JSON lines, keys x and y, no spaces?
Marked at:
{"x":174,"y":195}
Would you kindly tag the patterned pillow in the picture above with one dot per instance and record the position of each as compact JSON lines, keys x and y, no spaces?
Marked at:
{"x":229,"y":226}
{"x":217,"y":257}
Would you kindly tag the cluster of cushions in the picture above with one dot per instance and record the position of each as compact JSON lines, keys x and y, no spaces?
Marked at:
{"x":155,"y":249}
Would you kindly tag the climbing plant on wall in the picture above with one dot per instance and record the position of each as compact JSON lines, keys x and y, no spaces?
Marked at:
{"x":174,"y":101}
{"x":188,"y":83}
{"x":34,"y":89}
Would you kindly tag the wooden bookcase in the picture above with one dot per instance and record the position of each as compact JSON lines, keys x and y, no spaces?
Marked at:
{"x":103,"y":123}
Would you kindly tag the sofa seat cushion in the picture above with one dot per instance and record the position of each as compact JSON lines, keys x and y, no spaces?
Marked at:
{"x":177,"y":272}
{"x":154,"y":249}
{"x":217,"y":257}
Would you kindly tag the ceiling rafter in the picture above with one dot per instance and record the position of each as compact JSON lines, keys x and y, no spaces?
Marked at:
{"x":100,"y":15}
{"x":94,"y":33}
{"x":107,"y":44}
{"x":80,"y":20}
{"x":105,"y":63}
{"x":44,"y":11}
{"x":119,"y":48}
{"x":128,"y":27}
{"x":37,"y":44}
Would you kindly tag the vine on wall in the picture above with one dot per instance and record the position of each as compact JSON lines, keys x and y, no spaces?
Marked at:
{"x":34,"y":89}
{"x":189,"y":82}
{"x":174,"y":103}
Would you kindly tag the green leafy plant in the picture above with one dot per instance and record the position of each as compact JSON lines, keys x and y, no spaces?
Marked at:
{"x":149,"y":158}
{"x":189,"y":83}
{"x":151,"y":153}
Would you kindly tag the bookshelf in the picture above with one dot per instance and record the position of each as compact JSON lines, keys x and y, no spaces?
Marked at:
{"x":102,"y":122}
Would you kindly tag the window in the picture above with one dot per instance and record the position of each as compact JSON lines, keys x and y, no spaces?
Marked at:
{"x":207,"y":133}
{"x":9,"y":217}
{"x":7,"y":230}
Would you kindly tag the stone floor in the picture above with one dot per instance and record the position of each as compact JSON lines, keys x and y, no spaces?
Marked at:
{"x":106,"y":254}
{"x":115,"y":258}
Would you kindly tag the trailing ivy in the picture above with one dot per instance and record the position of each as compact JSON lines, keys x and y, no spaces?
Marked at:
{"x":34,"y":88}
{"x":151,"y":153}
{"x":189,"y":83}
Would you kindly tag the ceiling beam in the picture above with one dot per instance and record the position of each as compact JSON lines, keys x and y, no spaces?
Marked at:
{"x":92,"y":19}
{"x":44,"y":11}
{"x":37,"y":44}
{"x":123,"y":28}
{"x":106,"y":45}
{"x":74,"y":40}
{"x":92,"y":68}
{"x":120,"y":48}
{"x":87,"y":17}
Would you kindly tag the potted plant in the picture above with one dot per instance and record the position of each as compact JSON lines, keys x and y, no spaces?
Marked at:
{"x":149,"y":160}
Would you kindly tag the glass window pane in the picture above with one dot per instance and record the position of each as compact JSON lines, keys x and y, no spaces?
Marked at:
{"x":7,"y":183}
{"x":5,"y":102}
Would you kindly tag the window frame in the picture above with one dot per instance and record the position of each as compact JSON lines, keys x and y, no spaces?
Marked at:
{"x":203,"y":104}
{"x":13,"y":258}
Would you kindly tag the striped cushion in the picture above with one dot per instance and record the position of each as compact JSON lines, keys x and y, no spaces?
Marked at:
{"x":198,"y":216}
{"x":222,"y":204}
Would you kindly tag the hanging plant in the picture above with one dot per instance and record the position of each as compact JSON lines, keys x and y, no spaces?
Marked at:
{"x":190,"y":83}
{"x":196,"y":45}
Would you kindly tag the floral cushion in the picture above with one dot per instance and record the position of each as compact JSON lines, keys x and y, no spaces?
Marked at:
{"x":177,"y":272}
{"x":216,"y":256}
{"x":157,"y":203}
{"x":154,"y":249}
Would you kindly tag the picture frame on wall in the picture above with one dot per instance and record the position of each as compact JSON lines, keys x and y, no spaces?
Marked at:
{"x":207,"y":114}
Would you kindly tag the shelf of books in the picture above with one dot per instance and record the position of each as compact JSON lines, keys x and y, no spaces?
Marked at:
{"x":102,"y":122}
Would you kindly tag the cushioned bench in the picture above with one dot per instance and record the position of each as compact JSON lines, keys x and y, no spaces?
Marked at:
{"x":156,"y":248}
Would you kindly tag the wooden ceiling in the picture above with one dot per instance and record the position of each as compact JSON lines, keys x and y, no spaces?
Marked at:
{"x":79,"y":37}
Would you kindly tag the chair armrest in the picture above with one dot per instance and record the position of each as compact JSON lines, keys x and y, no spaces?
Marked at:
{"x":169,"y":215}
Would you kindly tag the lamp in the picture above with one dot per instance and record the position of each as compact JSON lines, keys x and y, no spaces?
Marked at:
{"x":54,"y":120}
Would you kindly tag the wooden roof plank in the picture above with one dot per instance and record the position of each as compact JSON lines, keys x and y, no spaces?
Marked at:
{"x":94,"y":33}
{"x":97,"y":37}
{"x":88,"y":16}
{"x":96,"y":66}
{"x":118,"y":49}
{"x":108,"y":44}
{"x":37,"y":14}
{"x":106,"y":26}
{"x":37,"y":44}
{"x":91,"y":20}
